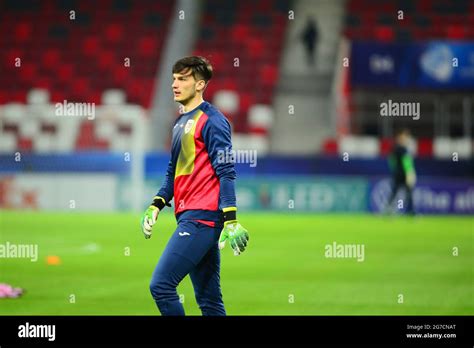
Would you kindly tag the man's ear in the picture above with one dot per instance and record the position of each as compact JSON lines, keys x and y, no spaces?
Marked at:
{"x":201,"y":84}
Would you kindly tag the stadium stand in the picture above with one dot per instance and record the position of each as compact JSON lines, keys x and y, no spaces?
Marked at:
{"x":445,"y":126}
{"x":245,"y":48}
{"x":422,"y":20}
{"x":75,"y":52}
{"x":108,"y":53}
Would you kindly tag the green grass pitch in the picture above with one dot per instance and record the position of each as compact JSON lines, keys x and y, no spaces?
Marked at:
{"x":283,"y":272}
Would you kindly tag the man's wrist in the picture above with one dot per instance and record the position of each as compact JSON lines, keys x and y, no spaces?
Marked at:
{"x":229,"y":214}
{"x":159,"y":202}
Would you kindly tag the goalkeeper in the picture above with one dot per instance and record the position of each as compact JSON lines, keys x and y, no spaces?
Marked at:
{"x":202,"y":185}
{"x":403,"y":170}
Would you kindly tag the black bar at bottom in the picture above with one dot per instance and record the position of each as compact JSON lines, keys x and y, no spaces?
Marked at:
{"x":450,"y":331}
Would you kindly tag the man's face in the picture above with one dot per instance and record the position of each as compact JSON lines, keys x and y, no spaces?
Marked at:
{"x":403,"y":138}
{"x":185,"y":86}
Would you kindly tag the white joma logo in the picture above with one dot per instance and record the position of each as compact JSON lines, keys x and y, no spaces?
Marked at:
{"x":33,"y":331}
{"x":184,"y":234}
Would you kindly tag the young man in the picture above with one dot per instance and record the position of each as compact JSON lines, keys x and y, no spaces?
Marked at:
{"x":403,"y":170}
{"x":204,"y":194}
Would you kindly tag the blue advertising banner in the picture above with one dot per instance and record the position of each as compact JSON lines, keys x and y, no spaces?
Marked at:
{"x":318,"y":194}
{"x":309,"y":194}
{"x":156,"y":164}
{"x":430,"y":196}
{"x":428,"y":65}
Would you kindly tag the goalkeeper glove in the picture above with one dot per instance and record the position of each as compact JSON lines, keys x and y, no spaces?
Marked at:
{"x":151,"y":215}
{"x":233,"y":231}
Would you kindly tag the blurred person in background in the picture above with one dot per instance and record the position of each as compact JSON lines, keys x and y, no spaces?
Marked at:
{"x":403,"y":170}
{"x":309,"y":37}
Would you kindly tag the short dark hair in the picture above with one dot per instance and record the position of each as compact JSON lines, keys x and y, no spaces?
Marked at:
{"x":200,"y":67}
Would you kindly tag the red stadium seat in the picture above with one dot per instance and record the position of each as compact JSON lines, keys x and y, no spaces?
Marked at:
{"x":11,"y":56}
{"x":80,"y":87}
{"x":106,"y":60}
{"x":86,"y":136}
{"x":43,"y":82}
{"x":23,"y":31}
{"x":269,"y":75}
{"x":27,"y":72}
{"x":25,"y":144}
{"x":65,"y":72}
{"x":456,"y":32}
{"x":217,"y":59}
{"x":114,"y":32}
{"x":425,"y":147}
{"x":384,"y":33}
{"x":121,"y":75}
{"x":246,"y":100}
{"x":239,"y":32}
{"x":255,"y":47}
{"x":4,"y":97}
{"x":90,"y":45}
{"x":147,"y":46}
{"x":50,"y":59}
{"x":330,"y":147}
{"x":386,"y":146}
{"x":58,"y":96}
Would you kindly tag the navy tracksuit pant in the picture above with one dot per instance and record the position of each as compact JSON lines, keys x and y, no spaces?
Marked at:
{"x":397,"y":184}
{"x":192,"y":249}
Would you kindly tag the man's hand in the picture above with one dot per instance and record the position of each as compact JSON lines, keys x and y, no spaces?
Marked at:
{"x":149,"y":219}
{"x":411,"y":179}
{"x":236,"y":234}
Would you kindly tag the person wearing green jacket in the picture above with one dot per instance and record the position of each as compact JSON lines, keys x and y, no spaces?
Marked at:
{"x":402,"y":169}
